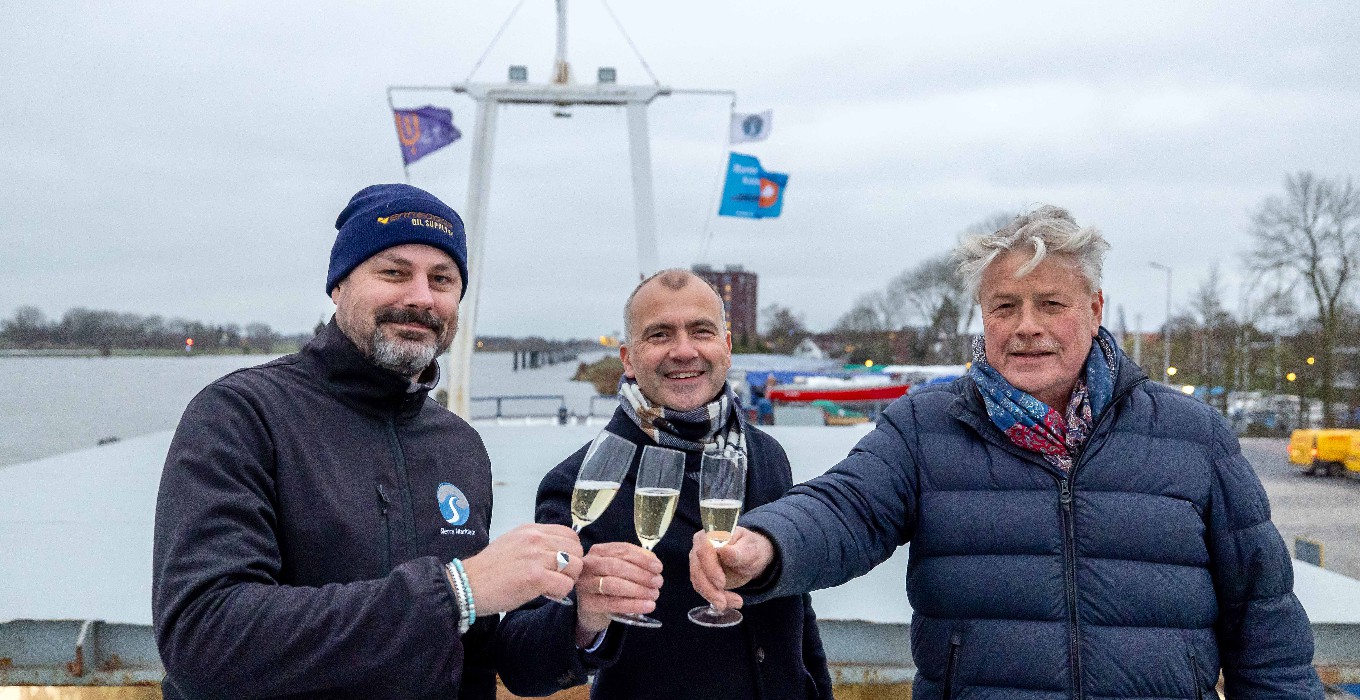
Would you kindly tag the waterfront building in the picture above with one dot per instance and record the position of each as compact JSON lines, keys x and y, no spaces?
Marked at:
{"x":737,"y":287}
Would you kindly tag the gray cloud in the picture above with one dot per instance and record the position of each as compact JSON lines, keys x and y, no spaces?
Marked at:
{"x":189,"y":161}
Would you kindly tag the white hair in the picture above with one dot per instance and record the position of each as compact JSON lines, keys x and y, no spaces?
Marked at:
{"x":1050,"y":230}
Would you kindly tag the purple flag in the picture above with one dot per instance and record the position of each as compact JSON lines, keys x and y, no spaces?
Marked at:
{"x":424,"y":130}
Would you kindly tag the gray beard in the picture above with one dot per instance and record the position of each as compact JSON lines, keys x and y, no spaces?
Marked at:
{"x":407,"y":358}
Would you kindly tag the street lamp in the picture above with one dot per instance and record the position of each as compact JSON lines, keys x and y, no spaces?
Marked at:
{"x":1166,"y":339}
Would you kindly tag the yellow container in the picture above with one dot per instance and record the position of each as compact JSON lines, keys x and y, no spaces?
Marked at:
{"x":1302,"y":447}
{"x":1352,"y":462}
{"x":1333,"y":445}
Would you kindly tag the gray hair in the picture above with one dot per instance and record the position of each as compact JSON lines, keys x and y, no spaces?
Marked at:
{"x":675,"y":279}
{"x":1048,"y":229}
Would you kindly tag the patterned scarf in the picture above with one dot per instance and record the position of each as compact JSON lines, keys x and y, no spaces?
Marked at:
{"x":1030,"y":423}
{"x":714,"y":425}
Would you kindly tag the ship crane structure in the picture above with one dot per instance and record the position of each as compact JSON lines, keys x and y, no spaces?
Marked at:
{"x":562,"y":94}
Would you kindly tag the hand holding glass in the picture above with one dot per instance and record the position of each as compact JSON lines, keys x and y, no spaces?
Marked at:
{"x":722,"y":490}
{"x":606,"y":462}
{"x":660,"y":476}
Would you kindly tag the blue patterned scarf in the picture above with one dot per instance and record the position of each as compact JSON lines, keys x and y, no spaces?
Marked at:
{"x":1035,"y":426}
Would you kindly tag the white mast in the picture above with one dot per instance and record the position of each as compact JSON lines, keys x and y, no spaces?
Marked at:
{"x":560,"y":93}
{"x":561,"y":69}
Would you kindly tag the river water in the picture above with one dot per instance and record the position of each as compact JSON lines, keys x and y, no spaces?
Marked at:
{"x":50,"y":405}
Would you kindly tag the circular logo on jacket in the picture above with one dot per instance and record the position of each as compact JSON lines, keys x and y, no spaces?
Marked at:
{"x":453,"y":505}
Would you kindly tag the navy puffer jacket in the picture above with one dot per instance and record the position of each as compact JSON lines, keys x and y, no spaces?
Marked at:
{"x":1139,"y":575}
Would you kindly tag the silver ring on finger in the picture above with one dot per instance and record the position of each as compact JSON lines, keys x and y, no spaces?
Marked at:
{"x":599,"y":587}
{"x":562,"y":560}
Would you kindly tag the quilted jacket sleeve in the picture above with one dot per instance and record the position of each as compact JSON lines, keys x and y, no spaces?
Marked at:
{"x":1265,"y":643}
{"x":847,"y":521}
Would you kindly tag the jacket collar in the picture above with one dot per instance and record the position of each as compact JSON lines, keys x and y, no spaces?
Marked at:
{"x":358,"y":381}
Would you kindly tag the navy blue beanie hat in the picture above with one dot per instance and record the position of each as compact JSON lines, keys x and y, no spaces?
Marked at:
{"x":381,"y":216}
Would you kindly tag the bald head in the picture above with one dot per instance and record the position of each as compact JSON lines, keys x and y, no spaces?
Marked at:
{"x":673,"y":279}
{"x":678,"y":348}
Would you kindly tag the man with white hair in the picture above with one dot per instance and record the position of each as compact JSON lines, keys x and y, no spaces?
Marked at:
{"x":1076,"y":530}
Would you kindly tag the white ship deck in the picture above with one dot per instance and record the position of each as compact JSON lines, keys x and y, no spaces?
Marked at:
{"x":78,"y":531}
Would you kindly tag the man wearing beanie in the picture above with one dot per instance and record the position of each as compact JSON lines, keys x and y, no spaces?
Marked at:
{"x":322,"y":525}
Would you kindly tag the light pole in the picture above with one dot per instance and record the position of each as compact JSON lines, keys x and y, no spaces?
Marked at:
{"x":1166,"y":331}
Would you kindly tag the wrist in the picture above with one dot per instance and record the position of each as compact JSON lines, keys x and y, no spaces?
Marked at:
{"x":588,"y":634}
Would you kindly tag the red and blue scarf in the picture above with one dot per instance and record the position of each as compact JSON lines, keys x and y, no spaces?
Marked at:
{"x":1035,"y":426}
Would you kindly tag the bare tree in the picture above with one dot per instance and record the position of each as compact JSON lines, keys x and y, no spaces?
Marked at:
{"x":1313,"y":232}
{"x":933,"y":297}
{"x":784,"y":329}
{"x":28,"y":328}
{"x":866,"y":316}
{"x":1207,"y":300}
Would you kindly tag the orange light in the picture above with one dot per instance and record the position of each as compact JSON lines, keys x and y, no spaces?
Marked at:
{"x":189,"y":342}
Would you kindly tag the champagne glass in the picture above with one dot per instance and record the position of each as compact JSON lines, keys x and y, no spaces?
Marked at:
{"x":660,"y":476}
{"x":602,"y":471}
{"x":722,"y":490}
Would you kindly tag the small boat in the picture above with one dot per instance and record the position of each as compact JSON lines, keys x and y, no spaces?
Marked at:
{"x":851,"y":390}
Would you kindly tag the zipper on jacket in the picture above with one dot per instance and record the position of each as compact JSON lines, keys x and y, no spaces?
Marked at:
{"x":1066,"y":488}
{"x":387,"y":531}
{"x":1070,"y":581}
{"x":955,"y":641}
{"x":1194,"y":675}
{"x":403,"y":486}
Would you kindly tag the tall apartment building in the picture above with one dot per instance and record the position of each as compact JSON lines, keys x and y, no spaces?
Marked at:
{"x":737,"y":287}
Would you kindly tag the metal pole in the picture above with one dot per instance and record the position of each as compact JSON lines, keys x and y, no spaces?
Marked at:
{"x":561,"y":69}
{"x":1138,"y":339}
{"x":1166,"y":346}
{"x":474,"y":217}
{"x":1166,"y":334}
{"x":639,"y":147}
{"x":392,"y":107}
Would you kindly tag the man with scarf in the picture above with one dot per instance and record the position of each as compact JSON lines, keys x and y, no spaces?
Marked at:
{"x":1076,"y":530}
{"x":673,"y":394}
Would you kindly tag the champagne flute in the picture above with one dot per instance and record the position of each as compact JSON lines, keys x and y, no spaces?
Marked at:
{"x":602,"y":471}
{"x":722,"y":490}
{"x":660,"y":476}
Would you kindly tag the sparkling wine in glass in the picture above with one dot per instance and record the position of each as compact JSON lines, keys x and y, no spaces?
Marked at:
{"x":660,"y":476}
{"x":606,"y":462}
{"x":722,"y":490}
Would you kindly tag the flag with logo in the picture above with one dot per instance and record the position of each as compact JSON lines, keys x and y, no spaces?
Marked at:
{"x":423,"y":131}
{"x":751,"y":192}
{"x":751,"y":127}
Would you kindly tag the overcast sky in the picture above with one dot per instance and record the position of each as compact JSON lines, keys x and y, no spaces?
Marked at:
{"x":189,"y":159}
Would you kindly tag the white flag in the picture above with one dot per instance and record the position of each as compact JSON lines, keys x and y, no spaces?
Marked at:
{"x":752,"y":127}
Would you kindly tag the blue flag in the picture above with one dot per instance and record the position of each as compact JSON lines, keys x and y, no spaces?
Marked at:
{"x":424,"y":130}
{"x":751,"y":192}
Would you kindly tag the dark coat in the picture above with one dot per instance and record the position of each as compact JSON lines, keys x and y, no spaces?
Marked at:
{"x":1139,"y":575}
{"x":299,"y":547}
{"x":774,"y":654}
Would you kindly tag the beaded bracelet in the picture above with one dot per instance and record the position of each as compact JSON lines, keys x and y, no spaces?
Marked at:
{"x":462,"y":591}
{"x":467,"y":588}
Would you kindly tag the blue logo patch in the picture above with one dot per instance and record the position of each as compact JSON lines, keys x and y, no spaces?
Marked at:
{"x":453,"y":505}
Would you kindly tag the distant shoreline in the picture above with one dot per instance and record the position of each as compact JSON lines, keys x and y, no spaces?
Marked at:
{"x":131,"y":352}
